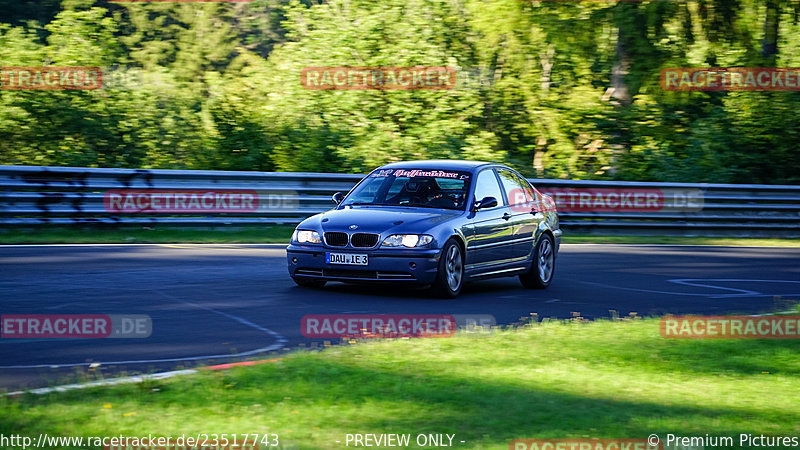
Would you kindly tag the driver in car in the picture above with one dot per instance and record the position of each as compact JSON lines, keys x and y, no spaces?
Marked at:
{"x":424,"y":191}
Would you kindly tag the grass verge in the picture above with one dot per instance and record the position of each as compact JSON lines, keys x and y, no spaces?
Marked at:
{"x":281,"y":234}
{"x":604,"y":379}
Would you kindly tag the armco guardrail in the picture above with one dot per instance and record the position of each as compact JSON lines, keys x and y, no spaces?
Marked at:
{"x":69,"y":195}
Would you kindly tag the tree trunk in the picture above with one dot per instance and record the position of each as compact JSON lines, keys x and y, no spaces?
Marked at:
{"x":769,"y":46}
{"x":620,"y":70}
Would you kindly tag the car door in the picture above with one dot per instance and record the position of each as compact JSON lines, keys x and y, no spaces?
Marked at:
{"x":489,"y":241}
{"x":523,"y":219}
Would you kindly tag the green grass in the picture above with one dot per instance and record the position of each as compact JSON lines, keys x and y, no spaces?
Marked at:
{"x":553,"y":380}
{"x":281,"y":234}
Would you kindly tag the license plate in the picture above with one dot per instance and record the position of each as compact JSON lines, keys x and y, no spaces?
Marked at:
{"x":346,"y":258}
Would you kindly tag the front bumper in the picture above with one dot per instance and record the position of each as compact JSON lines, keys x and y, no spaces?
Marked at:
{"x":417,"y":266}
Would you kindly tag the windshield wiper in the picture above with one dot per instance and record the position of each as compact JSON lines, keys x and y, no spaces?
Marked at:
{"x":402,"y":205}
{"x":365,"y":204}
{"x":415,"y":205}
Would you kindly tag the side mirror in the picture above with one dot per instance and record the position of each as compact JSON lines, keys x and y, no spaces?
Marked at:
{"x":486,"y":202}
{"x":337,"y":197}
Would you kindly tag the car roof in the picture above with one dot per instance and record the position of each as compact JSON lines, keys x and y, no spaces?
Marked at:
{"x":437,"y":164}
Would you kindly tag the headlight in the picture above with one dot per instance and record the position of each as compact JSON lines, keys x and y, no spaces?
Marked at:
{"x":407,"y":240}
{"x":306,"y":236}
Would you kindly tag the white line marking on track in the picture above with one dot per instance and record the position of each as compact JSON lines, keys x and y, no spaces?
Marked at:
{"x":642,"y":290}
{"x":64,"y":305}
{"x":688,"y":282}
{"x":280,"y":343}
{"x":109,"y":382}
{"x":742,"y":292}
{"x":146,"y":245}
{"x":685,"y":245}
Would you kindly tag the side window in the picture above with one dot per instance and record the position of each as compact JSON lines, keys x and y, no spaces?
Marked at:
{"x":517,"y":191}
{"x":486,"y":186}
{"x":526,"y":187}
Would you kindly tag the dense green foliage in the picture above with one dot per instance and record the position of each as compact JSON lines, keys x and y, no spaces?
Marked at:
{"x":557,"y":89}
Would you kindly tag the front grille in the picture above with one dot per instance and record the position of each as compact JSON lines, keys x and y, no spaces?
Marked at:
{"x":366,"y":274}
{"x":309,"y":272}
{"x":364,"y":240}
{"x":348,"y":273}
{"x":336,"y":239}
{"x":394,"y":276}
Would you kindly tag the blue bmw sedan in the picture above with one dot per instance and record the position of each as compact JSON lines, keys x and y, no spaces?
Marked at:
{"x":434,"y":223}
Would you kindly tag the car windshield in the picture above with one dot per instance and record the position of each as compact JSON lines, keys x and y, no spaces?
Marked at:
{"x":412,"y":187}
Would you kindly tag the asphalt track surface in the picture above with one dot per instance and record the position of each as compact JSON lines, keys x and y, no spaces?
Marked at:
{"x":211,"y":304}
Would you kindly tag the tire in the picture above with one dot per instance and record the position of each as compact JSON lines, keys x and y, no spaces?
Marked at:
{"x":450,"y":276}
{"x":309,"y":282}
{"x":543,"y":266}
